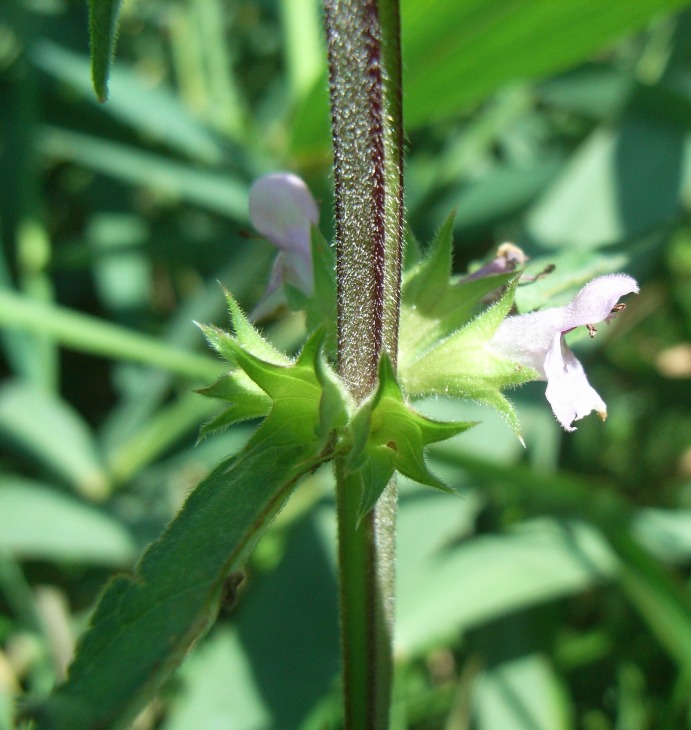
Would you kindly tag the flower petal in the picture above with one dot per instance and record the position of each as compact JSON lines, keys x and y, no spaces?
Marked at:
{"x":283,"y":210}
{"x":595,"y":301}
{"x":526,"y":338}
{"x":537,"y":340}
{"x":568,"y":390}
{"x":274,"y":296}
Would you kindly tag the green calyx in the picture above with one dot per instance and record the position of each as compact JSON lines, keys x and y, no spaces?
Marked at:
{"x":445,"y":333}
{"x":388,"y":436}
{"x":300,"y":398}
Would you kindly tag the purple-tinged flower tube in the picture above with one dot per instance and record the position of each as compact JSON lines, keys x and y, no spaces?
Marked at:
{"x":283,"y":210}
{"x":537,"y":340}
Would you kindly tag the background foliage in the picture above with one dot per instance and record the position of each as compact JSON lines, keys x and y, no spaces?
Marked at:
{"x":555,"y":593}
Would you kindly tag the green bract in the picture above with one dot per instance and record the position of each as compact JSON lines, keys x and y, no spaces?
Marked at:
{"x":389,"y":437}
{"x":443,"y":339}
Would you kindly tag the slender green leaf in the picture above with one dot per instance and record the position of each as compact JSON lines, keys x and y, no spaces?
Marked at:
{"x":662,"y":602}
{"x":89,"y":334}
{"x":174,"y":594}
{"x":450,"y":586}
{"x":103,"y":27}
{"x":221,"y":192}
{"x":147,"y":441}
{"x":302,"y":33}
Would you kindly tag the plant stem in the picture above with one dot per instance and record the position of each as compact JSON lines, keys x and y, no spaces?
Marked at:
{"x":365,"y":83}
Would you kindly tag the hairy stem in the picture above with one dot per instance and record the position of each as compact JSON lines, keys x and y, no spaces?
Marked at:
{"x":365,"y":84}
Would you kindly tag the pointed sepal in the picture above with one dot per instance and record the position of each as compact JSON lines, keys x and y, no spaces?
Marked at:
{"x":294,"y":381}
{"x":247,"y":335}
{"x":388,"y":436}
{"x":433,"y":306}
{"x":244,"y":333}
{"x":462,"y":364}
{"x":305,"y":390}
{"x":246,"y":400}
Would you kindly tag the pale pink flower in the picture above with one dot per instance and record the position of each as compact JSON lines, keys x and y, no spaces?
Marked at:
{"x":537,"y":340}
{"x":283,"y":210}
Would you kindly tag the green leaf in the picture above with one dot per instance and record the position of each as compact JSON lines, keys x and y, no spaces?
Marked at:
{"x":145,"y":623}
{"x":596,"y":513}
{"x":103,"y":29}
{"x":665,"y":532}
{"x":495,"y":42}
{"x":38,"y":522}
{"x":48,"y":428}
{"x":503,"y":191}
{"x":321,"y":306}
{"x":602,"y":196}
{"x":660,"y":600}
{"x":100,"y":337}
{"x":224,"y":192}
{"x":389,"y":436}
{"x":446,"y":591}
{"x":287,"y":617}
{"x":156,"y":112}
{"x":520,"y":693}
{"x":432,"y":306}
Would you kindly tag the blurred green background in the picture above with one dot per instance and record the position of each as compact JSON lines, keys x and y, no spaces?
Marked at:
{"x":555,"y":593}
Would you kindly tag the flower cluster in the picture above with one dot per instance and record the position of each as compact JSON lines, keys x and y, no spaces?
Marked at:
{"x":283,"y":210}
